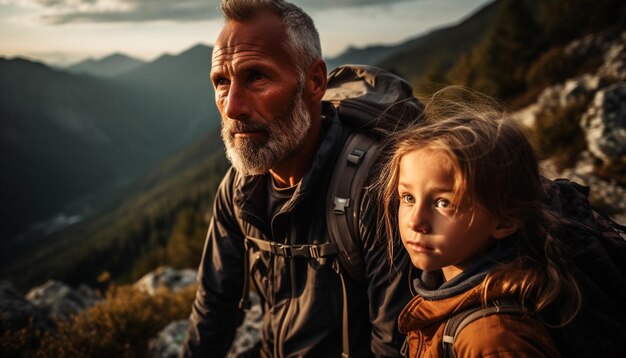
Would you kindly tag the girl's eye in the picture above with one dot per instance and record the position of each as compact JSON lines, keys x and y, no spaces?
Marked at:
{"x":442,"y":203}
{"x":408,"y":198}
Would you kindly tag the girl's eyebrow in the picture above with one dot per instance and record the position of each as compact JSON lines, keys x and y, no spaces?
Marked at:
{"x":437,"y":189}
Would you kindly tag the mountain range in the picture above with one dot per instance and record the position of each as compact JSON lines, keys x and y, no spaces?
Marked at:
{"x":72,"y":137}
{"x":109,"y":66}
{"x":70,"y":140}
{"x":105,"y":160}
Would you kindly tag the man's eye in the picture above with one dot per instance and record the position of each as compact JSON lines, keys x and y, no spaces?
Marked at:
{"x":220,"y":82}
{"x":256,"y":76}
{"x":408,"y":198}
{"x":442,"y":203}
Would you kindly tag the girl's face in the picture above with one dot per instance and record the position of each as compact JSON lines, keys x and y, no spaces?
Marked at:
{"x":436,"y":234}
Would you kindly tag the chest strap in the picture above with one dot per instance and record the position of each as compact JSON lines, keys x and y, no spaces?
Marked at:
{"x":314,"y":251}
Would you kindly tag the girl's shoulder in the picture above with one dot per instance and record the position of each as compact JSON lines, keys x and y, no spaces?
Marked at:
{"x":505,"y":334}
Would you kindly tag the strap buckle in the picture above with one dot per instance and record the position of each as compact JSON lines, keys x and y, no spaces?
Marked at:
{"x":341,"y":204}
{"x":356,"y":156}
{"x":284,"y":250}
{"x":314,"y":251}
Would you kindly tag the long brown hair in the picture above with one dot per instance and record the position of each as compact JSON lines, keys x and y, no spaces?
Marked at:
{"x":496,"y":166}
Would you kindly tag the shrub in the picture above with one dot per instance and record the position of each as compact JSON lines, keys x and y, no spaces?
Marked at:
{"x":555,"y":66}
{"x":118,"y":326}
{"x":558,"y":134}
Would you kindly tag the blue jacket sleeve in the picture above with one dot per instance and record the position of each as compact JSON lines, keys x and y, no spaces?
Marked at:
{"x":215,"y":315}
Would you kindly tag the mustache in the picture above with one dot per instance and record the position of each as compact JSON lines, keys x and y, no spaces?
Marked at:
{"x":235,"y":126}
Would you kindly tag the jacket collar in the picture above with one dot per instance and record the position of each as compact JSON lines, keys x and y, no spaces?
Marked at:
{"x":250,"y":192}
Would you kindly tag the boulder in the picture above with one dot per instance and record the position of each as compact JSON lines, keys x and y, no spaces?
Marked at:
{"x":166,"y":277}
{"x":249,"y":333}
{"x":603,"y":194}
{"x":168,"y":343}
{"x":60,"y":300}
{"x":614,"y":66}
{"x":604,"y":124}
{"x":16,"y":312}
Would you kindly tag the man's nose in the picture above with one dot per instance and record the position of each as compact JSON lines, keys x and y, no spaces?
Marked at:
{"x":237,"y":105}
{"x":420,"y":220}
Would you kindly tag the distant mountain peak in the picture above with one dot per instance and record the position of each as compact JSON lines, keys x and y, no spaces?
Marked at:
{"x":108,"y":66}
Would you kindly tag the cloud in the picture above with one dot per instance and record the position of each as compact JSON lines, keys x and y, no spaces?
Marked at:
{"x":59,"y":12}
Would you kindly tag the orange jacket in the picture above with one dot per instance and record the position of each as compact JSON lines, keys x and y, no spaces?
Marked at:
{"x":496,"y":335}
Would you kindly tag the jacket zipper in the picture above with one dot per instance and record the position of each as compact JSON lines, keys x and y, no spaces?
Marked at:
{"x":278,"y":348}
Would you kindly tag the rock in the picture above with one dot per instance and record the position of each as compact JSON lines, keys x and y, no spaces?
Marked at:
{"x":614,"y":66}
{"x":16,"y":312}
{"x":603,"y":193}
{"x":61,"y":300}
{"x":603,"y":120}
{"x":166,"y":277}
{"x":568,"y":93}
{"x":604,"y":124}
{"x":249,"y":333}
{"x":168,"y":343}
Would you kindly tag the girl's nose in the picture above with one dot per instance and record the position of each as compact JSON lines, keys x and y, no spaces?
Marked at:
{"x":420,"y":220}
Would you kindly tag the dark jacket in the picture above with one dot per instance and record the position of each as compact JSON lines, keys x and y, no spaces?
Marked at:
{"x":301,"y":297}
{"x":496,"y":335}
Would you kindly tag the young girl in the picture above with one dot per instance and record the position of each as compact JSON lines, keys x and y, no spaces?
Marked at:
{"x":463,"y":192}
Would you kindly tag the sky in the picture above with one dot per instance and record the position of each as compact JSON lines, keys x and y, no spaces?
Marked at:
{"x":63,"y":32}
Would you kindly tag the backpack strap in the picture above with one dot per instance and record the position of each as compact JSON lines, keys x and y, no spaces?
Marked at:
{"x":455,"y":324}
{"x":344,"y":198}
{"x":343,"y":201}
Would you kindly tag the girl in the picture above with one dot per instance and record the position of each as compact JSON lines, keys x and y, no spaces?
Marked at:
{"x":463,"y":192}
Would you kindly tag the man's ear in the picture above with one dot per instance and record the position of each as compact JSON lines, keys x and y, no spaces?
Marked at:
{"x":316,"y":80}
{"x":504,"y":229}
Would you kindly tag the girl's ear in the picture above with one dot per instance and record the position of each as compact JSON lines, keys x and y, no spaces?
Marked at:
{"x":504,"y":229}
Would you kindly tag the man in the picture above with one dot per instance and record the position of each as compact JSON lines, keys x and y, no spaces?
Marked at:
{"x":269,"y":80}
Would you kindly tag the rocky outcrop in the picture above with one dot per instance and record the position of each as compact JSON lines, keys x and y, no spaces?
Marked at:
{"x":249,"y":333}
{"x":168,"y":343}
{"x":16,"y":312}
{"x":604,"y":124}
{"x":55,"y":299}
{"x":603,"y":120}
{"x":166,"y":277}
{"x":60,"y":300}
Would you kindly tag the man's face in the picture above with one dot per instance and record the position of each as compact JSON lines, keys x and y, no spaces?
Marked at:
{"x":258,"y":92}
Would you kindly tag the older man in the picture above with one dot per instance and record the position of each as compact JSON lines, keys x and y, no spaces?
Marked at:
{"x":269,"y":80}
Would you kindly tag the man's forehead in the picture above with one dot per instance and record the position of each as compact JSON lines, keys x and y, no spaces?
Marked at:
{"x":263,"y":27}
{"x":262,"y":35}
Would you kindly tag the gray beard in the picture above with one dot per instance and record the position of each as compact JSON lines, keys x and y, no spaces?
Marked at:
{"x":285,"y":135}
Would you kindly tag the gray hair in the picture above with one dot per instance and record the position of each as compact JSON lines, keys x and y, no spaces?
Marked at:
{"x":303,"y":40}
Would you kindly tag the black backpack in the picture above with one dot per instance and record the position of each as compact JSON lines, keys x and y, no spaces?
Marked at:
{"x":375,"y":103}
{"x":598,"y":253}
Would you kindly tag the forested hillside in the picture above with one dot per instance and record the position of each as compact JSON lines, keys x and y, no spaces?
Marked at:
{"x":517,"y":51}
{"x":562,"y":64}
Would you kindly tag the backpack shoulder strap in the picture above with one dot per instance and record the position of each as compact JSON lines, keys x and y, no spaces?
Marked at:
{"x":456,"y":323}
{"x":344,"y":198}
{"x":342,"y":214}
